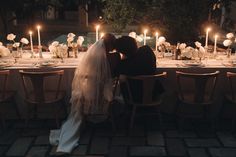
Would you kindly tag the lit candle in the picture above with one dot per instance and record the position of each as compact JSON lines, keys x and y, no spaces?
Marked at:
{"x":39,"y":39}
{"x":207,"y":34}
{"x":156,"y":39}
{"x":97,"y":28}
{"x":216,"y":36}
{"x":31,"y":41}
{"x":145,"y":36}
{"x":102,"y":34}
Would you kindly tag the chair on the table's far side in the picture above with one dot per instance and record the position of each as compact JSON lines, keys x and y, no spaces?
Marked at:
{"x":231,"y":96}
{"x":195,"y":93}
{"x":37,"y":94}
{"x":147,"y":97}
{"x":6,"y":95}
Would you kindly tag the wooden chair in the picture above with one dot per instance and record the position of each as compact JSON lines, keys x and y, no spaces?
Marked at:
{"x":6,"y":96}
{"x":37,"y":95}
{"x":231,"y":96}
{"x":147,"y":87}
{"x":195,"y":92}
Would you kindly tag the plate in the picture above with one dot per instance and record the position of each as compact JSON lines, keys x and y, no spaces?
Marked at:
{"x":48,"y":63}
{"x":193,"y":63}
{"x":4,"y":64}
{"x":168,"y":54}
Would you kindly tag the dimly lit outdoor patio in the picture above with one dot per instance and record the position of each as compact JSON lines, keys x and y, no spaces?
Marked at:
{"x":117,"y":78}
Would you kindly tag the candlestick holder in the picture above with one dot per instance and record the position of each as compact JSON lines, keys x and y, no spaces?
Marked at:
{"x":40,"y":51}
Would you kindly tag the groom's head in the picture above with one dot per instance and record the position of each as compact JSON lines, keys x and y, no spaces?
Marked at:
{"x":126,"y":45}
{"x":109,"y":42}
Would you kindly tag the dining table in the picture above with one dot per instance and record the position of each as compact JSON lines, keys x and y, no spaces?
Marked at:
{"x":211,"y":63}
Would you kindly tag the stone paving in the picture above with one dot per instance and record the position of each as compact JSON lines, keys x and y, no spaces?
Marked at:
{"x":147,"y":139}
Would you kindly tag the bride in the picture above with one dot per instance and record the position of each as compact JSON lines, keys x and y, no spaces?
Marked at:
{"x":91,"y":94}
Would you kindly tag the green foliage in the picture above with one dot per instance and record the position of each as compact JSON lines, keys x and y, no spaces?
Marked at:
{"x":118,"y":14}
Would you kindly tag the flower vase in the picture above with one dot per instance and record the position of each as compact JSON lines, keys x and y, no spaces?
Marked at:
{"x":75,"y":51}
{"x":228,"y":52}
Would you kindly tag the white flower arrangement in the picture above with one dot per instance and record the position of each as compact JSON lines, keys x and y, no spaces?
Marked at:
{"x":230,"y":39}
{"x":11,"y":37}
{"x":58,"y":50}
{"x":4,"y":51}
{"x":189,"y":52}
{"x":80,"y":40}
{"x":24,"y":41}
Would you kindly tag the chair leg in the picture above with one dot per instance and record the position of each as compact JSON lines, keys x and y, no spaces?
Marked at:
{"x":132,"y":117}
{"x":160,"y":118}
{"x":3,"y":121}
{"x":233,"y":123}
{"x":16,"y":108}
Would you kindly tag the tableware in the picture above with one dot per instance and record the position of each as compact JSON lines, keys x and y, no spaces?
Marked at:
{"x":4,"y":64}
{"x":48,"y":63}
{"x":193,"y":63}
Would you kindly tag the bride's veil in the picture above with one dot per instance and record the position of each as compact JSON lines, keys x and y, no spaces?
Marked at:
{"x":92,"y":83}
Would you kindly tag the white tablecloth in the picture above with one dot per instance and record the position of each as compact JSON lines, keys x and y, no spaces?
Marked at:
{"x":163,"y":64}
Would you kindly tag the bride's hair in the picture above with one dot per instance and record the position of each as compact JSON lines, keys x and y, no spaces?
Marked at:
{"x":109,"y":42}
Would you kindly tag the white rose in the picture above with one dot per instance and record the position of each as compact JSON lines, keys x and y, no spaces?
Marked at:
{"x":230,"y":35}
{"x":186,"y":53}
{"x":132,"y":34}
{"x":71,"y":35}
{"x":167,"y":44}
{"x":24,"y":41}
{"x":11,"y":37}
{"x":80,"y":40}
{"x":139,"y":38}
{"x":195,"y":53}
{"x":4,"y":51}
{"x":1,"y":44}
{"x":62,"y":50}
{"x":198,"y":44}
{"x":52,"y":49}
{"x":70,"y":39}
{"x":201,"y":49}
{"x":227,"y":42}
{"x":161,"y":39}
{"x":16,"y":44}
{"x":182,"y":46}
{"x":55,"y":43}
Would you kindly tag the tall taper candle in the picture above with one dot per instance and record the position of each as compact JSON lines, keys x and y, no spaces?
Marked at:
{"x":31,"y":41}
{"x":207,"y":34}
{"x":39,"y":38}
{"x":156,"y":39}
{"x":97,"y":28}
{"x":215,"y":45}
{"x":145,"y":36}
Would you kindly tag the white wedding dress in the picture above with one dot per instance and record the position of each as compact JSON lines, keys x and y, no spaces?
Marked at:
{"x":91,"y":94}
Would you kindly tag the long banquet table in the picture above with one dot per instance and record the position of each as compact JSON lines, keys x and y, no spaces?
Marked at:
{"x":163,"y":64}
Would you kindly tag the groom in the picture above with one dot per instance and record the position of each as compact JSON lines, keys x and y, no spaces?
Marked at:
{"x":113,"y":57}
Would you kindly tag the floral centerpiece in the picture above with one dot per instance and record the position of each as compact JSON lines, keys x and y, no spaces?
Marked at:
{"x":58,"y":50}
{"x":188,"y":52}
{"x":163,"y":45}
{"x":4,"y":51}
{"x":74,"y":46}
{"x":230,"y":39}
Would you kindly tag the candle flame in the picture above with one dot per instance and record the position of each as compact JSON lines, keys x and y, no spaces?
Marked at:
{"x":38,"y":27}
{"x":30,"y":32}
{"x":97,"y":27}
{"x":156,"y":33}
{"x":216,"y":36}
{"x":102,"y":34}
{"x":145,"y":31}
{"x":208,"y":29}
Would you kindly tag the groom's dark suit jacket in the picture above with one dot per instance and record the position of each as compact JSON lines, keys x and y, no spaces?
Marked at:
{"x":142,"y":63}
{"x":114,"y":60}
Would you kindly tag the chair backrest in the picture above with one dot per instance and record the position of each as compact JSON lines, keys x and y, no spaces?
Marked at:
{"x":4,"y":81}
{"x":202,"y":86}
{"x":232,"y":80}
{"x":146,"y":84}
{"x":37,"y":80}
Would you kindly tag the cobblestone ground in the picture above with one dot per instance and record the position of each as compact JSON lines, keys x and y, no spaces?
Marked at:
{"x":147,"y":138}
